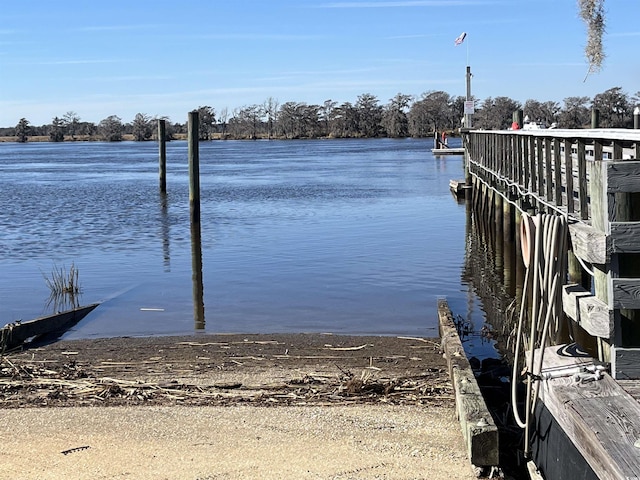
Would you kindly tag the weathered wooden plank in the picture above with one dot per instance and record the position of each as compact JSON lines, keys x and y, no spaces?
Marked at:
{"x":568,"y":172}
{"x":601,"y":419}
{"x":583,"y":194}
{"x":15,"y":334}
{"x":623,"y":177}
{"x":626,"y":293}
{"x":625,"y":237}
{"x":587,"y":310}
{"x":478,"y":428}
{"x":588,"y":243}
{"x":626,"y":362}
{"x":540,"y":165}
{"x":548,"y":172}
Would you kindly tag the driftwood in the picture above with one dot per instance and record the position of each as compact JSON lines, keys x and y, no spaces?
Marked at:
{"x":53,"y":385}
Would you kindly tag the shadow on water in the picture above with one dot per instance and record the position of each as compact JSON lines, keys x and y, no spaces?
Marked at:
{"x":493,"y":270}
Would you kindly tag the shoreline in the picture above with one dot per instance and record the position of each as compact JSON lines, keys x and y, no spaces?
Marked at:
{"x":286,"y":406}
{"x":218,"y":369}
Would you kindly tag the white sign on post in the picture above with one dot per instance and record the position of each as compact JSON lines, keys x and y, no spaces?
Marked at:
{"x":469,"y":108}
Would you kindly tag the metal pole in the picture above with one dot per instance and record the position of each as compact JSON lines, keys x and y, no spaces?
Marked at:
{"x":467,"y":117}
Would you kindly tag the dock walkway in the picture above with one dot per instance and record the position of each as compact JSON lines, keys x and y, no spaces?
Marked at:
{"x":591,"y":178}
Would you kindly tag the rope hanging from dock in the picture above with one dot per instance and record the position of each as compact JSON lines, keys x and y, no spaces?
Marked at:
{"x":544,"y":249}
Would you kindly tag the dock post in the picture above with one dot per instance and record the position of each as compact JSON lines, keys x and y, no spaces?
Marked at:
{"x":595,"y":118}
{"x":194,"y":209}
{"x":636,"y":118}
{"x":194,"y":167}
{"x":162,"y":146}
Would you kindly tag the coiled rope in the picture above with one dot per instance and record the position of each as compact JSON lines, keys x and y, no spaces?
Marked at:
{"x":544,"y":253}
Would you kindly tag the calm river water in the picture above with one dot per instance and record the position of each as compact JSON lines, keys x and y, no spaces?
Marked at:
{"x":343,"y":236}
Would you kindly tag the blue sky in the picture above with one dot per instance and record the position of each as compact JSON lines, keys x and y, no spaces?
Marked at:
{"x":166,"y":58}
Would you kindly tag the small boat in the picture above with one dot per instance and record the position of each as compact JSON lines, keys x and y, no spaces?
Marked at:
{"x":17,"y":333}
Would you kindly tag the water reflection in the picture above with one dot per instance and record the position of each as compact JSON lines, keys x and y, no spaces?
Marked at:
{"x":196,"y":268}
{"x":491,"y":267}
{"x":165,"y":231}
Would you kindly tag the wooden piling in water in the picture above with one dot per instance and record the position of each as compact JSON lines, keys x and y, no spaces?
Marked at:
{"x":162,"y":147}
{"x":194,"y":166}
{"x":194,"y":209}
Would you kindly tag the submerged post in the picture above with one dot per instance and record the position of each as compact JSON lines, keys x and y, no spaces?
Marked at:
{"x":194,"y":167}
{"x":162,"y":146}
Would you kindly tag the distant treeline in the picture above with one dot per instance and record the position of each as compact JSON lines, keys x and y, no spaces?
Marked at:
{"x":403,"y":116}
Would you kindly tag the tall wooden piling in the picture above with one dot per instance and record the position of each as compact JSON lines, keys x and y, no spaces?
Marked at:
{"x":194,"y":209}
{"x":194,"y":167}
{"x":162,"y":147}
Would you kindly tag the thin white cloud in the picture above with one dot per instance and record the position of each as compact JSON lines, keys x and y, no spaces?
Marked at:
{"x":115,"y":28}
{"x":410,"y":3}
{"x":258,"y":36}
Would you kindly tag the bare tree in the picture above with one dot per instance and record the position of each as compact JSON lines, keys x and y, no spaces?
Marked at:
{"x":71,"y":121}
{"x":223,"y":117}
{"x":270,"y":109}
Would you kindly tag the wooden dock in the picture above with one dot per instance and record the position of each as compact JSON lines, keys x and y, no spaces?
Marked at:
{"x":590,"y":178}
{"x":448,"y":151}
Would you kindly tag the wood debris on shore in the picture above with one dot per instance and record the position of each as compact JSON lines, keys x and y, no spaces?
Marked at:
{"x":226,"y":371}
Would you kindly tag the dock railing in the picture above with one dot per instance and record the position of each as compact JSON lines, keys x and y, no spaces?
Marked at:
{"x":593,"y":178}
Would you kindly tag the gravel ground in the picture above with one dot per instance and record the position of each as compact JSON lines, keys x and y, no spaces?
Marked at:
{"x":230,"y":407}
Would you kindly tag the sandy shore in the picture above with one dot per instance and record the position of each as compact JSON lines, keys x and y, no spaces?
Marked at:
{"x":227,"y":407}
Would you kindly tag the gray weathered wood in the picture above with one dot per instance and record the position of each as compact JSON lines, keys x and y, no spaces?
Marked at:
{"x":600,"y":417}
{"x":627,"y":363}
{"x":625,"y":237}
{"x":478,"y":428}
{"x":592,"y":314}
{"x":588,"y":243}
{"x":626,"y":293}
{"x":623,"y":177}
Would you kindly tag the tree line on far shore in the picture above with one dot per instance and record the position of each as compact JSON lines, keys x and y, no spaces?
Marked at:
{"x":403,"y":116}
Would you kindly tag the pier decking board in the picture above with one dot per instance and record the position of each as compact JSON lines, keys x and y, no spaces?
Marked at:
{"x":600,"y":417}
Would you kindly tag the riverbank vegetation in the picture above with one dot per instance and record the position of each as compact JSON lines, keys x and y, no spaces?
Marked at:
{"x":402,"y":116}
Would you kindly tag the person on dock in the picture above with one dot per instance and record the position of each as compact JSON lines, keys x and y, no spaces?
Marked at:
{"x":444,"y":140}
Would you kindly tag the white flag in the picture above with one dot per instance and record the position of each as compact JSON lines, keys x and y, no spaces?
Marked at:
{"x":461,"y":38}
